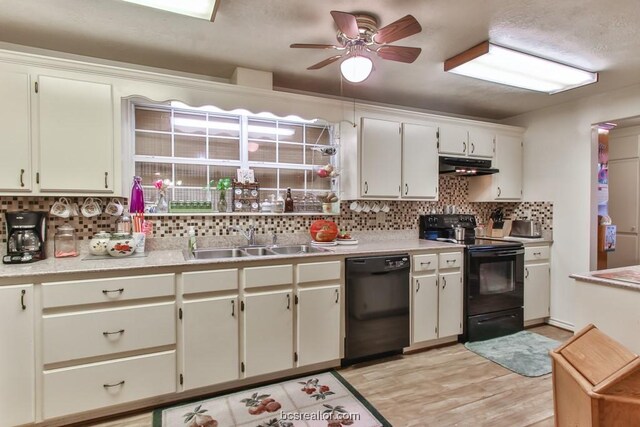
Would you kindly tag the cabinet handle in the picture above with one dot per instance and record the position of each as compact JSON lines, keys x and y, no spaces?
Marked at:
{"x":451,"y":260}
{"x":526,"y":273}
{"x":537,"y":253}
{"x":406,"y":189}
{"x":425,"y":263}
{"x":444,"y":282}
{"x":106,"y":179}
{"x":337,"y":295}
{"x":108,"y":291}
{"x":464,"y":147}
{"x":113,"y":385}
{"x":418,"y":286}
{"x":366,"y":187}
{"x":22,"y":293}
{"x":288,"y":302}
{"x":499,"y":191}
{"x":473,"y":148}
{"x":21,"y":177}
{"x":233,"y":308}
{"x":106,"y":334}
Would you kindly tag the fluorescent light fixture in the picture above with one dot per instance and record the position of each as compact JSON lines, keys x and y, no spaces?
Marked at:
{"x":195,"y":123}
{"x":498,"y":64}
{"x":356,"y":68}
{"x":203,"y":9}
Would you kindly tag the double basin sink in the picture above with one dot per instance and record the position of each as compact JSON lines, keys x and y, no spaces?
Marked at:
{"x":250,"y":251}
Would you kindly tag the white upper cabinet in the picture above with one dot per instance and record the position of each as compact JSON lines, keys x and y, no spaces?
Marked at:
{"x":15,"y":149}
{"x":380,"y":158}
{"x":75,"y":129}
{"x":419,"y":161}
{"x":458,"y":140}
{"x":507,"y":183}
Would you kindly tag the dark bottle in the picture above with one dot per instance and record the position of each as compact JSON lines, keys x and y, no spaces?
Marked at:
{"x":288,"y":201}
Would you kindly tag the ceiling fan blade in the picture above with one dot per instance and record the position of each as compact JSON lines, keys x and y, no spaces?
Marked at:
{"x":313,"y":46}
{"x":324,"y":63}
{"x":403,"y":27}
{"x":346,"y":23}
{"x":399,"y":53}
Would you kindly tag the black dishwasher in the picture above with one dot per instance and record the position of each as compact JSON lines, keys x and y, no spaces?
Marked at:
{"x":377,"y":306}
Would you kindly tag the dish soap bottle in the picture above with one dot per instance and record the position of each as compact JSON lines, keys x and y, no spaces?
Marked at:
{"x":192,"y":239}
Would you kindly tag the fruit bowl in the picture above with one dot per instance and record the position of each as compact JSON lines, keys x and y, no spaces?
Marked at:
{"x":323,"y":230}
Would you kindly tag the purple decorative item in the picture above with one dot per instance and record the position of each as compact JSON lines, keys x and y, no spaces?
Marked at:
{"x":136,"y":203}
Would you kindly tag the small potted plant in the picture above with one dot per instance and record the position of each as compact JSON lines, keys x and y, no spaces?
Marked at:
{"x":223,"y":185}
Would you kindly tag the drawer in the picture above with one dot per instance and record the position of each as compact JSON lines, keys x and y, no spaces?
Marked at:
{"x":450,"y":260}
{"x":93,"y":333}
{"x":210,"y":281}
{"x":425,"y":262}
{"x":268,"y":276}
{"x":535,"y":253}
{"x":77,"y":292}
{"x":319,"y":271}
{"x":87,"y":387}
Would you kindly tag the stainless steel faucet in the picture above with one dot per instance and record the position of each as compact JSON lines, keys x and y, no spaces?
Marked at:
{"x":249,"y":234}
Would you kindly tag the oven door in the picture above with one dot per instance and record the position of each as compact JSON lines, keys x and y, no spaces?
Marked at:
{"x":495,"y":280}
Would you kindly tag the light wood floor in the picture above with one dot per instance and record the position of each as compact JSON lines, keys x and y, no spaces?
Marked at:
{"x":448,"y":386}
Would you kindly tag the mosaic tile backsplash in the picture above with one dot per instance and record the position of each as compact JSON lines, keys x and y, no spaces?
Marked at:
{"x":401,"y":216}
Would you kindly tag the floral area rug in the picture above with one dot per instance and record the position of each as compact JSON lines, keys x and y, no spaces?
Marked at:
{"x":321,"y":400}
{"x":525,"y":353}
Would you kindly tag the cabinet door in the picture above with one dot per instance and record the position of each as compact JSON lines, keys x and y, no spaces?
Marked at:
{"x":380,"y":161}
{"x":318,"y":325}
{"x":75,"y":121}
{"x":509,"y":162}
{"x":211,"y":345}
{"x":480,"y":143}
{"x":419,"y":162}
{"x":624,"y":176}
{"x":450,"y":304}
{"x":425,"y":308}
{"x":17,"y":369}
{"x":536,"y":291}
{"x":453,"y":140}
{"x":268,"y":332}
{"x":15,"y":149}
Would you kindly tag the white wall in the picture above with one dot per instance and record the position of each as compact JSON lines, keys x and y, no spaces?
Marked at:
{"x":560,"y":165}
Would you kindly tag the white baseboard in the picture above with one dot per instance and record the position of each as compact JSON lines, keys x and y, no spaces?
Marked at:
{"x":561,"y":324}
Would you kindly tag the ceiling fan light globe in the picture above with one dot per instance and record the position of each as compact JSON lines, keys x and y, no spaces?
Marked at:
{"x":356,"y":69}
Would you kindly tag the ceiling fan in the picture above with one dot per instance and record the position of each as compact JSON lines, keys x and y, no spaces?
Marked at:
{"x":358,"y":35}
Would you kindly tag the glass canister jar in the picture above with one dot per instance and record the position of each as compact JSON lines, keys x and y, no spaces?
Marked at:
{"x":64,"y":242}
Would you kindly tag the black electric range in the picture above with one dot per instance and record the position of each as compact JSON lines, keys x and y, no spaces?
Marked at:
{"x":493,"y":277}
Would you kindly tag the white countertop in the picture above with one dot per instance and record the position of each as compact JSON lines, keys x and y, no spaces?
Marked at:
{"x":592,"y":277}
{"x":48,"y":269}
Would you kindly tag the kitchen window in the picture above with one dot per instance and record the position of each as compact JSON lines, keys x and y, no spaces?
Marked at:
{"x":194,"y":147}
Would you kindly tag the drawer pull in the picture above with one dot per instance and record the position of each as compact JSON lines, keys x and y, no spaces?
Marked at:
{"x":537,"y":253}
{"x":121,"y":331}
{"x":426,"y":263}
{"x":108,"y":291}
{"x":451,"y":260}
{"x":113,"y":385}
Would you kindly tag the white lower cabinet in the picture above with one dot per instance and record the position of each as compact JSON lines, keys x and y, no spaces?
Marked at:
{"x":318,"y":324}
{"x":96,"y":385}
{"x":210,"y":333}
{"x":17,"y":368}
{"x":268,"y":332}
{"x":425,"y":308}
{"x":437,"y":291}
{"x":537,"y":282}
{"x":450,"y":304}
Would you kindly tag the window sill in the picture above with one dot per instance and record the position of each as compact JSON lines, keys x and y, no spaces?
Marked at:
{"x":150,"y":215}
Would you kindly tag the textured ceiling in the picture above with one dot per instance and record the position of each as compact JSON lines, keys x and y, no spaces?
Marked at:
{"x":592,"y":34}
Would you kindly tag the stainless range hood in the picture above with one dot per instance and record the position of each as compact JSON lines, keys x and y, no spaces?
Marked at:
{"x":464,"y":166}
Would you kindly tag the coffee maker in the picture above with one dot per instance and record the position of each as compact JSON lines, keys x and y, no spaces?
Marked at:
{"x":26,"y":235}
